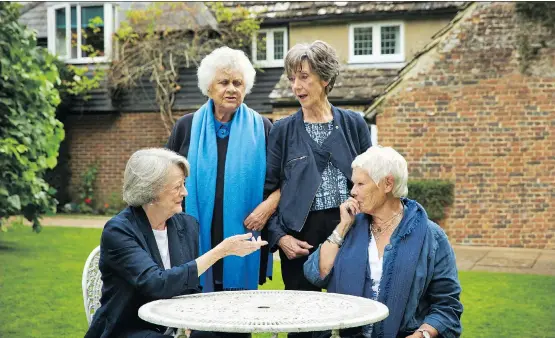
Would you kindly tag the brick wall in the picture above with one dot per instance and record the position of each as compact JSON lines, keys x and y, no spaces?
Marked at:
{"x":109,"y":140}
{"x":466,"y":113}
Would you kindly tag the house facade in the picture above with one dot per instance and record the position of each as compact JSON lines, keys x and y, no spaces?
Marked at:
{"x":373,"y":39}
{"x":471,"y":108}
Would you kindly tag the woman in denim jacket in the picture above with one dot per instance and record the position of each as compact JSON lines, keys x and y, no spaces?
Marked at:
{"x":309,"y":160}
{"x":410,"y":265}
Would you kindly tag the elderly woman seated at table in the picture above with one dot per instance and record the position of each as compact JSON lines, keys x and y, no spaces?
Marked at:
{"x":149,"y":250}
{"x":410,"y":265}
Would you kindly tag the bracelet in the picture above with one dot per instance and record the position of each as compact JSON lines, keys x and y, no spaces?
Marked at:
{"x":335,"y":238}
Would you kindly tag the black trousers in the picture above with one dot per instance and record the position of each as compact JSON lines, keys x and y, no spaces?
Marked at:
{"x":318,"y":226}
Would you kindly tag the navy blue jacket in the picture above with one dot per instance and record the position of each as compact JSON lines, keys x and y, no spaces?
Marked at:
{"x":133,"y":273}
{"x":295,"y":163}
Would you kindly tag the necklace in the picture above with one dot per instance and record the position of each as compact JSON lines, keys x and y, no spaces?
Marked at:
{"x":378,"y":232}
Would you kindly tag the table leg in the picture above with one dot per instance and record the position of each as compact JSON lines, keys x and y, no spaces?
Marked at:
{"x":182,"y":333}
{"x":335,"y":333}
{"x":274,"y":335}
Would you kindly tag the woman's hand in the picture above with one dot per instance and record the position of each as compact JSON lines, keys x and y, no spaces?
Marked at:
{"x":294,"y":248}
{"x":348,"y":210}
{"x":259,"y":217}
{"x":240,"y":245}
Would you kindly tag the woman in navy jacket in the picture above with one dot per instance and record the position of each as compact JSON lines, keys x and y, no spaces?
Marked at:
{"x":149,"y":251}
{"x":390,"y":252}
{"x":309,"y":157}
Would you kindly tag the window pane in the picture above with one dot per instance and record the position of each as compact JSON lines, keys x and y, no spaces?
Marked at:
{"x":261,"y":47}
{"x":390,"y":43}
{"x":363,"y":41}
{"x":92,"y":32}
{"x":73,"y":18}
{"x":60,"y":24}
{"x":279,"y":47}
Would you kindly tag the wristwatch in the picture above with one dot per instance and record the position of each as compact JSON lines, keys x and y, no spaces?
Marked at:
{"x":425,"y":333}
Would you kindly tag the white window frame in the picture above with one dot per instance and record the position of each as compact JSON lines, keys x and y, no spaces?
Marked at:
{"x":110,"y":25}
{"x":270,"y":60}
{"x":376,"y":56}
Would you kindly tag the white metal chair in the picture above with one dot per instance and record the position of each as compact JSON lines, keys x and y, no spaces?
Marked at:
{"x":92,"y":289}
{"x":92,"y":284}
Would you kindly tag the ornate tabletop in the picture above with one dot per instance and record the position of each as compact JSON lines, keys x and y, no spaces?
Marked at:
{"x":264,"y":311}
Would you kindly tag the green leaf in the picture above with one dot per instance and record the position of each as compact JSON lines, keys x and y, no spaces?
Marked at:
{"x":15,"y":202}
{"x":51,"y":162}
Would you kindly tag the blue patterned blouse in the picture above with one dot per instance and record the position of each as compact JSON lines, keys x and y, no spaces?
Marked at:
{"x":333,"y":189}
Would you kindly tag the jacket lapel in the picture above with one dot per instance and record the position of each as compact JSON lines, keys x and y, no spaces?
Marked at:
{"x":146,"y":229}
{"x":342,"y":152}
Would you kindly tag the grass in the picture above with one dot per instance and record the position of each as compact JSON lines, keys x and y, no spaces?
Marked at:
{"x":80,"y":216}
{"x":40,"y":290}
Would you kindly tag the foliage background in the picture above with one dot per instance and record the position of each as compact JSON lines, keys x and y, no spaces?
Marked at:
{"x":30,"y":134}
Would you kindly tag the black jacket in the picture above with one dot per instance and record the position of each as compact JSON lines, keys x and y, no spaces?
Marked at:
{"x":133,"y":273}
{"x":295,"y":163}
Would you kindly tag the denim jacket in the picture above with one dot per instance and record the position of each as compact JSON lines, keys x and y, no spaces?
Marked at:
{"x":295,"y":164}
{"x":434,"y":296}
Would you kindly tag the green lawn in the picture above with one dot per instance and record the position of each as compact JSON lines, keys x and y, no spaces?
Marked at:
{"x":40,"y":290}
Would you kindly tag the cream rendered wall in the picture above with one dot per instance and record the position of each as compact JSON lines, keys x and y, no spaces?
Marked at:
{"x":336,"y":35}
{"x":417,"y":34}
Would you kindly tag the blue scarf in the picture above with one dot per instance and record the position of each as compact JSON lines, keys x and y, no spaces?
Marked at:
{"x":349,"y":278}
{"x":245,"y":169}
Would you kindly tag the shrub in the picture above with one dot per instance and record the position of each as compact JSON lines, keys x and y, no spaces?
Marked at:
{"x":87,"y":200}
{"x":30,"y":134}
{"x":434,"y":195}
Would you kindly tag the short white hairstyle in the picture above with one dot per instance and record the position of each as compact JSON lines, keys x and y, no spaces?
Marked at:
{"x":225,"y":58}
{"x":146,"y":174}
{"x":381,"y":161}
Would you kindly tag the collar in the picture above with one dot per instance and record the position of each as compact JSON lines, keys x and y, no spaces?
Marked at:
{"x":222,"y":128}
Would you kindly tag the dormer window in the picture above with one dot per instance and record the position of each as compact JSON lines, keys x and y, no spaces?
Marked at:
{"x":269,"y":47}
{"x":378,"y":43}
{"x":81,"y":33}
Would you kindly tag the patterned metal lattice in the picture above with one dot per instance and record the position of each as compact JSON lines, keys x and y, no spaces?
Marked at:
{"x":92,"y":284}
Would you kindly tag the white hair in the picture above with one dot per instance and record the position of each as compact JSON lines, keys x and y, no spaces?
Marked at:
{"x":146,"y":173}
{"x":381,"y":161}
{"x":225,"y":58}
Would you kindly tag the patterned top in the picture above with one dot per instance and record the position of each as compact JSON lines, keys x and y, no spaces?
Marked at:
{"x":333,"y":189}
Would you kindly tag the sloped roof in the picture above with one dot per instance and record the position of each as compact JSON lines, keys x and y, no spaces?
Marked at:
{"x":429,"y":48}
{"x":353,"y":85}
{"x":143,"y":97}
{"x":288,"y":11}
{"x":34,"y":15}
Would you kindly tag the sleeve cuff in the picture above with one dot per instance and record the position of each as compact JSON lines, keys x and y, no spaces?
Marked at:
{"x":311,"y":269}
{"x":275,"y":232}
{"x":440,"y":327}
{"x":193,"y":280}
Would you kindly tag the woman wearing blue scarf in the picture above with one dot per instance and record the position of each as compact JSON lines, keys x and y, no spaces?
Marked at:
{"x":410,"y":265}
{"x":225,"y":144}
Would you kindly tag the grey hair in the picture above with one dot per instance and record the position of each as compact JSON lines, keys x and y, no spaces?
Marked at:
{"x":228,"y":59}
{"x":381,"y":161}
{"x":146,"y":173}
{"x":321,"y":57}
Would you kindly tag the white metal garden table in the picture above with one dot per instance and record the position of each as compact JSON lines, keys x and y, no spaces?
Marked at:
{"x":264,"y":311}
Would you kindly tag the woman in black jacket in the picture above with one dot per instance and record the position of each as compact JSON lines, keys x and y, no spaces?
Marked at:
{"x":309,"y":159}
{"x":149,"y":251}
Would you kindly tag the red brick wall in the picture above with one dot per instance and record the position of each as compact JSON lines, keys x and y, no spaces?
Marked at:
{"x":466,"y":113}
{"x":109,"y":140}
